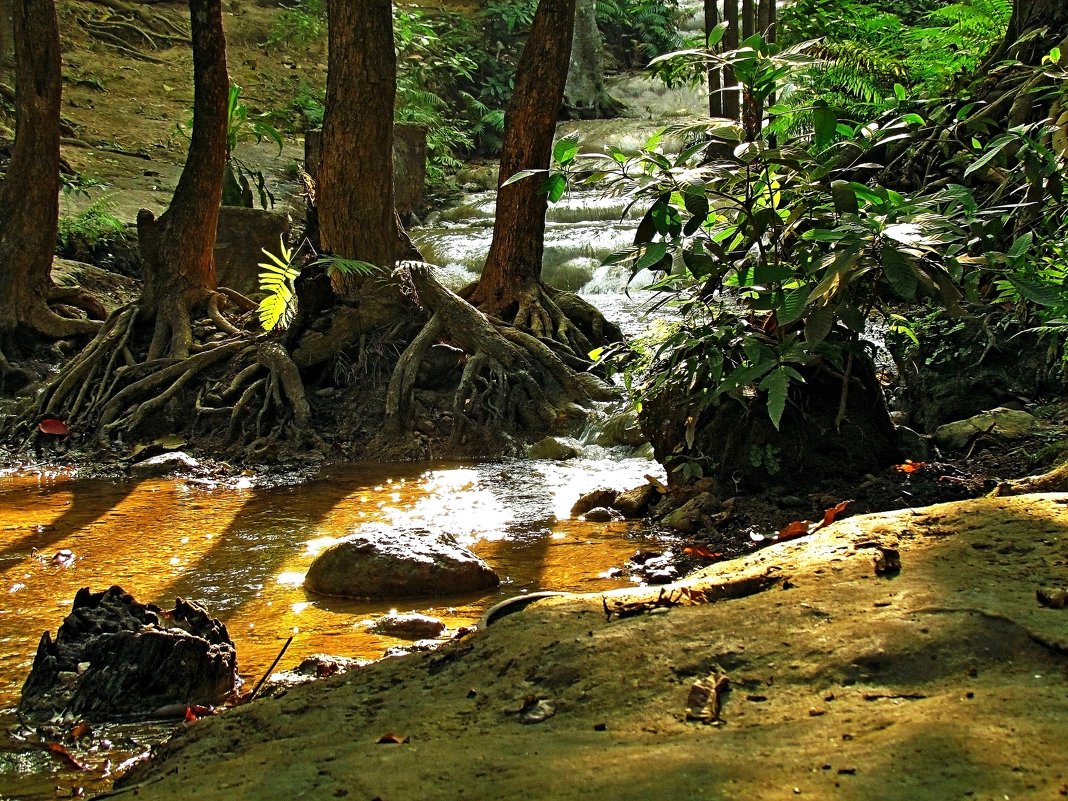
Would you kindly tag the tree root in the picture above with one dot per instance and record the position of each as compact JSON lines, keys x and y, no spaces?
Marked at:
{"x":106,"y":392}
{"x":1056,"y":480}
{"x":133,"y":30}
{"x":512,"y":379}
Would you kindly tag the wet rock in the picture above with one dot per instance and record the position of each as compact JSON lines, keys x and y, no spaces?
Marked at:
{"x":689,"y":518}
{"x":602,"y":496}
{"x":378,"y":562}
{"x":621,"y":428}
{"x":913,"y":445}
{"x":635,"y":503}
{"x":998,"y":424}
{"x":114,"y":658}
{"x":417,"y":647}
{"x":411,"y":626}
{"x":555,"y":448}
{"x":316,"y":666}
{"x":164,"y":464}
{"x":602,"y":514}
{"x":570,"y":275}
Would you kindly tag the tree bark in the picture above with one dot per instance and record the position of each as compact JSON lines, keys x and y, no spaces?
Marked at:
{"x":6,"y":40}
{"x":715,"y":74}
{"x":29,"y":196}
{"x":357,"y":214}
{"x":585,"y":95}
{"x":1032,"y":16}
{"x":513,"y":265}
{"x":178,"y":248}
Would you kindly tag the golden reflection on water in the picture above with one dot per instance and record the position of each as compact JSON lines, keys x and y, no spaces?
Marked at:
{"x":244,"y":550}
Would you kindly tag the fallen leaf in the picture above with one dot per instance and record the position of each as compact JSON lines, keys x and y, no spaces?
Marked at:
{"x":54,"y":426}
{"x":798,"y":528}
{"x":190,"y":717}
{"x":701,"y":552}
{"x":80,"y":730}
{"x":830,"y":515}
{"x":910,"y":466}
{"x":706,"y":697}
{"x":390,"y":738}
{"x":65,"y":755}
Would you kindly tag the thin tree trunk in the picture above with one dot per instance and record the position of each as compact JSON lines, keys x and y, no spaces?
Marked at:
{"x":731,"y":99}
{"x":29,"y":196}
{"x":178,"y":247}
{"x":715,"y":74}
{"x":514,"y":261}
{"x":357,"y":215}
{"x":585,"y":95}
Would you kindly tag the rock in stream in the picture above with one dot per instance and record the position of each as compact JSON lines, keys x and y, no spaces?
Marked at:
{"x":114,"y":658}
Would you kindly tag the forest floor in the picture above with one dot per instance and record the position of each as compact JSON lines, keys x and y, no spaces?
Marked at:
{"x":943,"y":679}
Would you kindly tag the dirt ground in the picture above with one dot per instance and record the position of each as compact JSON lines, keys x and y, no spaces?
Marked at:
{"x":944,"y":680}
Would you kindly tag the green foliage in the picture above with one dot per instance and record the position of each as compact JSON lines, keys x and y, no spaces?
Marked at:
{"x":80,"y":232}
{"x":240,"y":176}
{"x":637,"y":31}
{"x":777,"y":246}
{"x":866,"y":47}
{"x":299,"y":25}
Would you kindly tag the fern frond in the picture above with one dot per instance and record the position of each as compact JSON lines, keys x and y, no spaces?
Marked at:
{"x":276,"y":279}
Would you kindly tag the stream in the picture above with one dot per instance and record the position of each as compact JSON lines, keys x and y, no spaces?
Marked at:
{"x":242,"y":548}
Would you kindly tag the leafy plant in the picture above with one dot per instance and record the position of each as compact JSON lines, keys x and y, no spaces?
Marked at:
{"x":280,"y":271}
{"x":80,"y":232}
{"x":240,"y":176}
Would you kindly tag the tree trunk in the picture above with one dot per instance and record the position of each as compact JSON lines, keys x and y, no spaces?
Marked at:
{"x":715,"y":74}
{"x":29,"y":196}
{"x":585,"y":95}
{"x":1046,"y":19}
{"x":513,"y":265}
{"x":178,"y":248}
{"x":6,"y":40}
{"x":357,"y":214}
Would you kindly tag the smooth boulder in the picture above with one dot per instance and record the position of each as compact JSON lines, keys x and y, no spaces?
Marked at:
{"x":383,"y":563}
{"x":114,"y":658}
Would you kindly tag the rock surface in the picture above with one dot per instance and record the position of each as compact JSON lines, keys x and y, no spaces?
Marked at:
{"x":164,"y":464}
{"x":557,"y":449}
{"x":942,"y":681}
{"x":997,"y":423}
{"x":383,"y":563}
{"x":114,"y":658}
{"x":411,"y":626}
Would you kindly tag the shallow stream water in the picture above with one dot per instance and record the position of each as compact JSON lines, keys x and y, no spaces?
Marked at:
{"x":243,"y":551}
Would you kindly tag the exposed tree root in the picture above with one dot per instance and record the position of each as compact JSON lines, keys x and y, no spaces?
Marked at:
{"x":1056,"y":480}
{"x":250,"y":388}
{"x":134,"y":30}
{"x":512,"y":379}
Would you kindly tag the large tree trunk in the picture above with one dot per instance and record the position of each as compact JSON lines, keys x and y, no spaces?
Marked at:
{"x":357,"y":215}
{"x":178,"y":247}
{"x":29,"y":196}
{"x":1045,"y":20}
{"x":6,"y":40}
{"x":585,"y":95}
{"x":513,"y":265}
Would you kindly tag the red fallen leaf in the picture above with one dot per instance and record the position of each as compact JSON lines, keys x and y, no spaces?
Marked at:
{"x":830,"y":515}
{"x":200,"y":710}
{"x":54,"y":426}
{"x":798,"y":528}
{"x":80,"y":730}
{"x":389,"y":738}
{"x":65,"y":755}
{"x":190,"y":717}
{"x":701,"y":552}
{"x":910,"y":466}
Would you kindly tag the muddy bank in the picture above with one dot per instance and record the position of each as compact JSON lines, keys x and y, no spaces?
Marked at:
{"x":944,"y":679}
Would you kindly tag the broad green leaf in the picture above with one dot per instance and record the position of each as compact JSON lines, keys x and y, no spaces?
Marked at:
{"x":565,"y":150}
{"x":519,"y":176}
{"x":897,"y":267}
{"x":824,"y":124}
{"x":793,"y":305}
{"x":776,"y":384}
{"x":652,"y":256}
{"x":992,"y":151}
{"x":818,"y":325}
{"x":555,"y":186}
{"x":1042,"y":294}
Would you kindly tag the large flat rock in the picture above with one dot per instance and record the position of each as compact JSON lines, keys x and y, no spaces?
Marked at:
{"x":945,"y":680}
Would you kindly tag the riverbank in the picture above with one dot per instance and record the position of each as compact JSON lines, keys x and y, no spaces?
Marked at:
{"x":944,"y":679}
